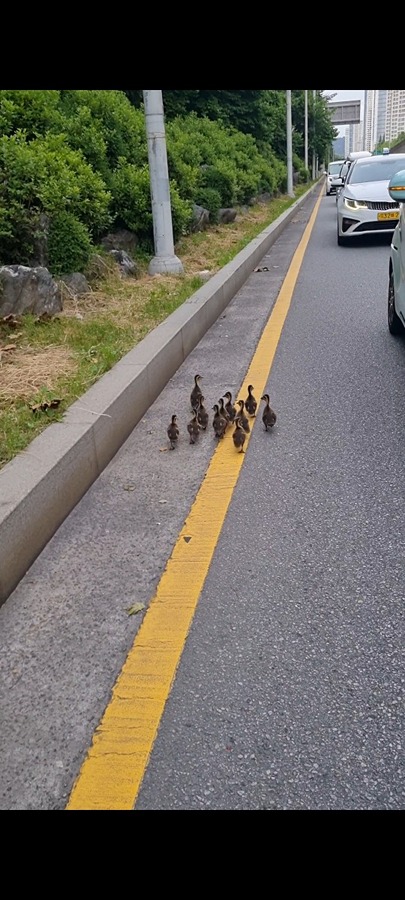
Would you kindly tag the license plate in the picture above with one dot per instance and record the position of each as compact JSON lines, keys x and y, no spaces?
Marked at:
{"x":392,"y":214}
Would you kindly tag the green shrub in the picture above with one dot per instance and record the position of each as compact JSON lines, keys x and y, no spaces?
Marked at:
{"x":32,"y":112}
{"x":210,"y":199}
{"x":132,"y":204}
{"x":221,"y":180}
{"x":69,"y":244}
{"x":44,"y":176}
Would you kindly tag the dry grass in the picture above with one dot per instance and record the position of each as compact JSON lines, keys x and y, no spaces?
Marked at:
{"x":25,"y":372}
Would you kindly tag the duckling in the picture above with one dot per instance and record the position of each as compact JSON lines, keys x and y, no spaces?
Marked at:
{"x":202,"y":414}
{"x":251,"y":402}
{"x":269,"y":416}
{"x":219,"y":424}
{"x":223,"y":412}
{"x":244,"y":421}
{"x":193,"y":429}
{"x":238,"y":436}
{"x":231,"y":410}
{"x":195,"y":393}
{"x":173,"y":432}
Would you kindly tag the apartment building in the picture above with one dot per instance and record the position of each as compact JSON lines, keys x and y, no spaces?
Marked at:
{"x":384,"y":117}
{"x":353,"y":138}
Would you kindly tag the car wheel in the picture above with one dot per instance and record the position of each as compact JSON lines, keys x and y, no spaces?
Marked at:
{"x":394,"y":322}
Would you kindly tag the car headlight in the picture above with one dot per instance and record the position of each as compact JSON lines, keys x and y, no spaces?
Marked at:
{"x":355,"y":204}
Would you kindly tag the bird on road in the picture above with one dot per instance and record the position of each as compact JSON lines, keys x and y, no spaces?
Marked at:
{"x":173,"y":432}
{"x":244,"y":421}
{"x":251,"y":402}
{"x":239,"y":435}
{"x":269,"y":417}
{"x":202,"y":414}
{"x":195,"y":393}
{"x":229,"y":406}
{"x":193,"y":428}
{"x":219,"y":424}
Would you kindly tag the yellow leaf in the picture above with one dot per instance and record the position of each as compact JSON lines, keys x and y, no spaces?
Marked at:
{"x":135,"y":608}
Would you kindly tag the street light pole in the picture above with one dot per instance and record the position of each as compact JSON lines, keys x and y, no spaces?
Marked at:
{"x":165,"y":261}
{"x":290,"y":189}
{"x":313,"y":149}
{"x":306,"y":130}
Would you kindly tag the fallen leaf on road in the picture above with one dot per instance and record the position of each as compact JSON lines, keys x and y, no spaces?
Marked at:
{"x":137,"y":607}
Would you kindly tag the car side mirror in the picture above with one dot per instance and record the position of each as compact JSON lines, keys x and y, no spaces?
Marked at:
{"x":396,"y":187}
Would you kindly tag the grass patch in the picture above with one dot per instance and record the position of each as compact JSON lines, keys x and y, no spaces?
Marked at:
{"x":63,"y":356}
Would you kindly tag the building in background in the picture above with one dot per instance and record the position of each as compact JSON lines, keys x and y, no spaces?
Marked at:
{"x":384,"y":117}
{"x":395,"y":115}
{"x":353,"y":138}
{"x":338,"y":148}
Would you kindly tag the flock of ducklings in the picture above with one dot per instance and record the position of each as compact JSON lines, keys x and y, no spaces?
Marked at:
{"x":225,"y":414}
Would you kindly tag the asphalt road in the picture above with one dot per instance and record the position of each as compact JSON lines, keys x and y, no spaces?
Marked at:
{"x":289,"y":690}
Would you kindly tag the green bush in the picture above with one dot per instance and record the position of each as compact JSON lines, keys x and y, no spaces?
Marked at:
{"x":210,"y":199}
{"x":44,"y":176}
{"x":69,"y":244}
{"x":32,"y":112}
{"x":220,"y":179}
{"x":132,"y":204}
{"x":121,"y":127}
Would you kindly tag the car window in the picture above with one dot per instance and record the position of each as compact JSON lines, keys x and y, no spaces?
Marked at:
{"x":369,"y":171}
{"x":334,"y":168}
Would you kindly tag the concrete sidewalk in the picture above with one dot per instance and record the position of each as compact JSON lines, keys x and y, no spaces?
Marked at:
{"x":41,"y":486}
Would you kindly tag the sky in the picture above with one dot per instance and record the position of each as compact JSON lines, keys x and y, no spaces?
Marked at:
{"x":341,"y":96}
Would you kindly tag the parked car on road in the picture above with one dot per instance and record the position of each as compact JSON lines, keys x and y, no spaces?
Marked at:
{"x":364,"y":205}
{"x":396,"y":267}
{"x":333,"y":179}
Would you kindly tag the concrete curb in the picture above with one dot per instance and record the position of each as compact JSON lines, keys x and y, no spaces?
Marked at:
{"x":41,"y":486}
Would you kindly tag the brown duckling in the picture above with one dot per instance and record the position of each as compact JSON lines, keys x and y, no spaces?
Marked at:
{"x":222,"y":411}
{"x":202,"y":414}
{"x":239,"y":435}
{"x":195,"y":393}
{"x":193,"y":429}
{"x":230,"y":408}
{"x":244,"y":421}
{"x":173,"y":432}
{"x":269,"y":416}
{"x":251,"y":402}
{"x":219,"y":424}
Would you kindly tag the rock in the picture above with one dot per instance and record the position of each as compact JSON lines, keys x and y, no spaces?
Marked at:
{"x":76,"y":284}
{"x":28,"y":290}
{"x":126,"y":264}
{"x":201,"y":218}
{"x":225,"y":216}
{"x":205,"y":274}
{"x":120,"y":240}
{"x":264,"y":197}
{"x":40,"y":257}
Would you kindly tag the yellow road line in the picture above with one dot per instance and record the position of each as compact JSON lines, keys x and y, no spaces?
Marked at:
{"x":112,"y":772}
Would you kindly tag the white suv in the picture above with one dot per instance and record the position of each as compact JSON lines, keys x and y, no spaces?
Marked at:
{"x":333,"y":179}
{"x":396,"y":269}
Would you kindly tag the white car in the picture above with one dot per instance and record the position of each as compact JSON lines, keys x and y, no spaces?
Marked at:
{"x":364,"y":205}
{"x":333,"y":180}
{"x":396,"y":268}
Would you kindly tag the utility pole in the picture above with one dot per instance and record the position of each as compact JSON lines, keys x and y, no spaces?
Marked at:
{"x":165,"y":261}
{"x":306,"y":129}
{"x":313,"y":149}
{"x":290,"y":189}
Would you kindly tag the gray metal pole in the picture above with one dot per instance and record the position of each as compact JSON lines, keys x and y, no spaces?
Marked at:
{"x":313,"y":151}
{"x":165,"y":261}
{"x":306,"y":129}
{"x":290,"y":189}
